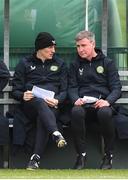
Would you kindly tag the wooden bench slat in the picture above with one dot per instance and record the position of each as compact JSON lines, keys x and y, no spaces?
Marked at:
{"x":7,"y":89}
{"x":123,"y":73}
{"x":122,"y":101}
{"x":8,"y":101}
{"x":124,"y":88}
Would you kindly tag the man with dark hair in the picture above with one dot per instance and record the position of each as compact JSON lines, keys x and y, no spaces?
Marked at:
{"x":44,"y":70}
{"x":94,"y":86}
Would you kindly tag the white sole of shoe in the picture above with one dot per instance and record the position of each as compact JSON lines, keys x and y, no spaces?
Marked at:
{"x":31,"y":169}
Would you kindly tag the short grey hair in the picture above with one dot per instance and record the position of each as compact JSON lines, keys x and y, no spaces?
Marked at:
{"x":85,"y":34}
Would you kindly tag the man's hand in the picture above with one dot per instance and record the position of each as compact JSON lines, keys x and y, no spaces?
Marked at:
{"x":28,"y":96}
{"x":52,"y":102}
{"x":79,"y":102}
{"x":101,"y":103}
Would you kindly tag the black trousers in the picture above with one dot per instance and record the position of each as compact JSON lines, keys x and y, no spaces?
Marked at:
{"x":45,"y":119}
{"x":82,"y":115}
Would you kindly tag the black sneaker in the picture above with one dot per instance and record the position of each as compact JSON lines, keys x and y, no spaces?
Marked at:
{"x":80,"y":162}
{"x":106,"y":161}
{"x":34,"y":162}
{"x":60,"y":141}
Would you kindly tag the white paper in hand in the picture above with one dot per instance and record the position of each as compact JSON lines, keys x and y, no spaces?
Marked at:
{"x":89,"y":99}
{"x":42,"y":93}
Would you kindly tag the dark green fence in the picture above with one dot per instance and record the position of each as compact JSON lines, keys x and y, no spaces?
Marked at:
{"x":120,"y":55}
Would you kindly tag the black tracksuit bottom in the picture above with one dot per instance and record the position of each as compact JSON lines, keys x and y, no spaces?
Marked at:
{"x":82,"y":115}
{"x":46,"y":121}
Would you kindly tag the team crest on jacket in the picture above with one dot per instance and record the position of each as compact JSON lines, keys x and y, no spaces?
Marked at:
{"x":100,"y":69}
{"x":54,"y":68}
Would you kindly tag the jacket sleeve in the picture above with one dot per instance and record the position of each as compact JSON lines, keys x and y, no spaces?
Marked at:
{"x":18,"y":83}
{"x":73,"y":84}
{"x":63,"y":84}
{"x":4,"y":75}
{"x":114,"y":83}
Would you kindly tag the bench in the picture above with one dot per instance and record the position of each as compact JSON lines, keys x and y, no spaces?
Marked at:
{"x":124,"y":80}
{"x":6,"y":101}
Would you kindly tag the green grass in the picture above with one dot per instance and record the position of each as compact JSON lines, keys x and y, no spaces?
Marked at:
{"x":63,"y":174}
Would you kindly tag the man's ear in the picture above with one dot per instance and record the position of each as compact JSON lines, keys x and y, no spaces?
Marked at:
{"x":94,"y":43}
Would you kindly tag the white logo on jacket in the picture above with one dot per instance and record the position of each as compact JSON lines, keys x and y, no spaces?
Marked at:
{"x":33,"y":67}
{"x":81,"y":71}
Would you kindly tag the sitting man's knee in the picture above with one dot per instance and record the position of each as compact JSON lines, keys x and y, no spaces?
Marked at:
{"x":105,"y":112}
{"x":40,"y":102}
{"x":78,"y":112}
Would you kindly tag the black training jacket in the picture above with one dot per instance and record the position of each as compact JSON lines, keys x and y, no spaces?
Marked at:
{"x":4,"y":75}
{"x":50,"y":75}
{"x":98,"y":78}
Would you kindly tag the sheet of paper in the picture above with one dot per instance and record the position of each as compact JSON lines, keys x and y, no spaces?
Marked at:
{"x":42,"y":93}
{"x":89,"y":99}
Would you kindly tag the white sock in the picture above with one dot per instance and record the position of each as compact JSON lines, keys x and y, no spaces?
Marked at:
{"x":56,"y":133}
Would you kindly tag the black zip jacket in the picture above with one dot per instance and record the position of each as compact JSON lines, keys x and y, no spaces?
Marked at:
{"x":4,"y":75}
{"x":96,"y":78}
{"x":50,"y":75}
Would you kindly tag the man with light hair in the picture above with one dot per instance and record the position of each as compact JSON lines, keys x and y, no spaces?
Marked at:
{"x":94,"y":87}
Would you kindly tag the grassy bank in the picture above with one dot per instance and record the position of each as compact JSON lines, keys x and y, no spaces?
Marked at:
{"x":63,"y":174}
